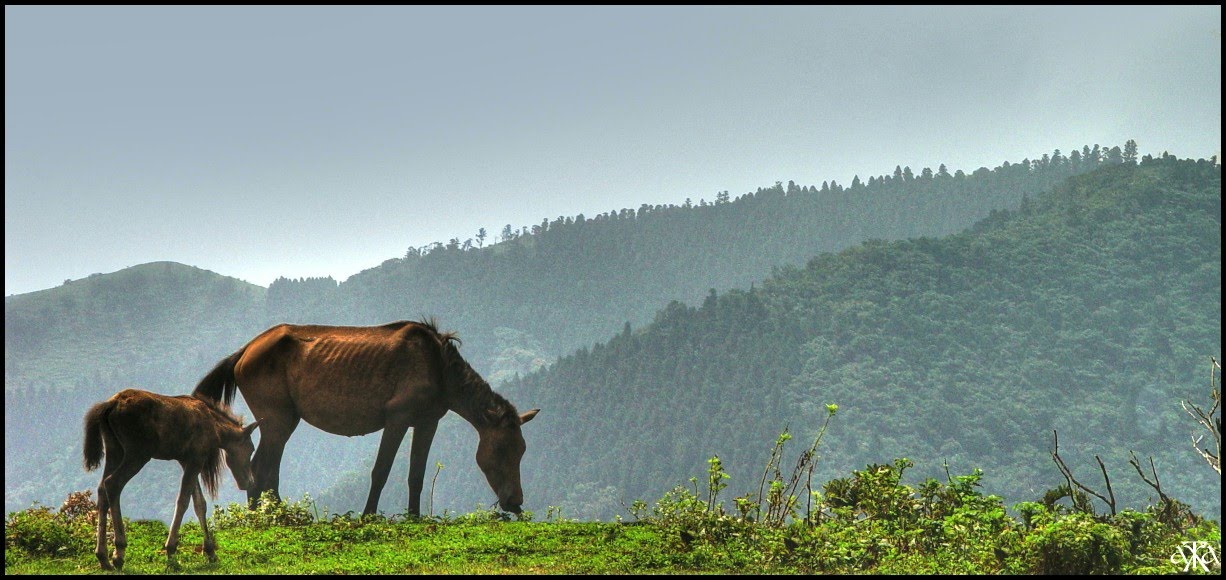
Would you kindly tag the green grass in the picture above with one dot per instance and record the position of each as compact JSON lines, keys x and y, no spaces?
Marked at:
{"x":869,"y":523}
{"x":424,"y":547}
{"x":681,"y":538}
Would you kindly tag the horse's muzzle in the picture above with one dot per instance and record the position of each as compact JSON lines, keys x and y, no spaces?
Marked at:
{"x":508,"y":507}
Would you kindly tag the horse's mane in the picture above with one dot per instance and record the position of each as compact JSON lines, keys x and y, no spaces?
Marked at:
{"x":222,"y":412}
{"x":472,"y":390}
{"x":432,"y":326}
{"x":210,"y":472}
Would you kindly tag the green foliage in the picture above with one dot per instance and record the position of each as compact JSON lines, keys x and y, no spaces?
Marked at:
{"x":880,"y":525}
{"x":874,"y":522}
{"x":268,"y":512}
{"x":39,"y":531}
{"x":1077,"y":544}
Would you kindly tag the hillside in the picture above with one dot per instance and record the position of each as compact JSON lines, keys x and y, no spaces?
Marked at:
{"x":537,"y":293}
{"x":160,"y":320}
{"x":1091,"y":310}
{"x":152,"y":327}
{"x":567,"y":283}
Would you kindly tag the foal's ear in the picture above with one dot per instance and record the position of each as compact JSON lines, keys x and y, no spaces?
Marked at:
{"x":249,"y":429}
{"x":525,"y":417}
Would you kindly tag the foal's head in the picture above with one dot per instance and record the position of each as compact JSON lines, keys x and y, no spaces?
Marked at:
{"x":235,"y":441}
{"x":239,"y":448}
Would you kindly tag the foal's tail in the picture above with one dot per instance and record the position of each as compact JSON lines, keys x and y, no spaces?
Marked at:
{"x":219,"y":385}
{"x":93,"y":434}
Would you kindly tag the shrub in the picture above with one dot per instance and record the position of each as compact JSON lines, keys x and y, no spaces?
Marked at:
{"x":39,"y":531}
{"x":269,"y":511}
{"x":1077,"y":544}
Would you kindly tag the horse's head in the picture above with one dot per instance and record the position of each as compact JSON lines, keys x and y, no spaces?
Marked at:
{"x":498,"y":455}
{"x":239,"y":448}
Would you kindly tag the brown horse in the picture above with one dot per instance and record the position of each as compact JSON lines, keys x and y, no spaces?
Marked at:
{"x":355,"y":380}
{"x":136,"y":426}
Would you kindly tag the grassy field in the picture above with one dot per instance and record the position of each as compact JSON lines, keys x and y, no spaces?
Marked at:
{"x":492,"y":547}
{"x":889,"y":529}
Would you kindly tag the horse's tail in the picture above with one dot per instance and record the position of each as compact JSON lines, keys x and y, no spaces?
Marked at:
{"x":219,"y":385}
{"x":93,"y":434}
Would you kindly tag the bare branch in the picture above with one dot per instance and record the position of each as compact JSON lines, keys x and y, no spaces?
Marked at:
{"x":1108,"y":480}
{"x":1068,"y":475}
{"x":1206,"y":419}
{"x":1155,"y":483}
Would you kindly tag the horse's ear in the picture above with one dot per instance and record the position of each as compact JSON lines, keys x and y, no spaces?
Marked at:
{"x":525,"y":417}
{"x":249,"y":429}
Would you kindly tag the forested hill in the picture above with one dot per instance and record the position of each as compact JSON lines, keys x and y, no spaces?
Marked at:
{"x":154,"y":324}
{"x":518,"y":299}
{"x":545,"y":290}
{"x":1091,"y":310}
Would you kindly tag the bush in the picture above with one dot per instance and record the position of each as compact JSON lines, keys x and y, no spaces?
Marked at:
{"x":39,"y":531}
{"x":1077,"y":544}
{"x":268,"y":512}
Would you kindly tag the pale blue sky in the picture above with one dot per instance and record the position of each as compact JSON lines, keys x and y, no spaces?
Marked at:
{"x":260,"y":142}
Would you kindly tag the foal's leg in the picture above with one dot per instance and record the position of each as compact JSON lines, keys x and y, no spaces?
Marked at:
{"x":393,"y":435}
{"x":187,"y":488}
{"x":104,"y":506}
{"x":100,"y":544}
{"x":114,"y":457}
{"x":113,"y":485}
{"x":210,"y":546}
{"x":423,"y":435}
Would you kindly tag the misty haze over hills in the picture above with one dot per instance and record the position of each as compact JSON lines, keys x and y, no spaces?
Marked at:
{"x":591,"y":289}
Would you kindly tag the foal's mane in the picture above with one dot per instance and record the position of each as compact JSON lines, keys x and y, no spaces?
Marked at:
{"x":210,"y":472}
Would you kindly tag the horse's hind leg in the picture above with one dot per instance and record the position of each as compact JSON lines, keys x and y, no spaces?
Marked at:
{"x":103,"y":508}
{"x":112,"y":486}
{"x":114,"y":457}
{"x":210,"y":545}
{"x":187,"y":489}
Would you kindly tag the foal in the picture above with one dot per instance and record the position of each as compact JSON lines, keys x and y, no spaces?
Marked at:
{"x":136,"y":426}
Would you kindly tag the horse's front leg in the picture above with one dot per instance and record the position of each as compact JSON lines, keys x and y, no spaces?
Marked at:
{"x":423,"y":436}
{"x":187,"y":488}
{"x":266,"y":463}
{"x":393,"y":434}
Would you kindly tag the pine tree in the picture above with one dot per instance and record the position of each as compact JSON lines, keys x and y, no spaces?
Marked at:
{"x":1130,"y":151}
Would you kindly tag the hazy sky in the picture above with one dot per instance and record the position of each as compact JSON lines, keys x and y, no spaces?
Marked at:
{"x":260,"y":142}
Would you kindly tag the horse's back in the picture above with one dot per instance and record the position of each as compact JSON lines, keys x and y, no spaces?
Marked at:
{"x":339,"y":351}
{"x":341,"y":379}
{"x":161,"y":426}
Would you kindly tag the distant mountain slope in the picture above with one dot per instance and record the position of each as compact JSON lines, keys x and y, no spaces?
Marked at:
{"x":1091,"y":310}
{"x":163,"y":315}
{"x":538,"y":293}
{"x":567,"y":283}
{"x":153,"y":326}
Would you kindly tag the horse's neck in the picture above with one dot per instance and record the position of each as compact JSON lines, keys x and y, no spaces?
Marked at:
{"x":471,"y":401}
{"x":469,"y":395}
